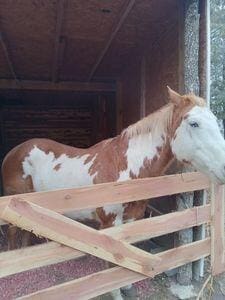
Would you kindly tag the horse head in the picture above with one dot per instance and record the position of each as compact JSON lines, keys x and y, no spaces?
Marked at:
{"x":195,"y":136}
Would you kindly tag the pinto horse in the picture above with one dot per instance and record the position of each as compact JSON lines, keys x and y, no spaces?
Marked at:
{"x":184,"y":129}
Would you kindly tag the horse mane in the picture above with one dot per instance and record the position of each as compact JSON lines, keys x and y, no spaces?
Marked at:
{"x":157,"y":122}
{"x":160,"y":121}
{"x":194,"y":100}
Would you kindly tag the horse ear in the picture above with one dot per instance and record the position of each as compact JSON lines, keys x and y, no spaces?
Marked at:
{"x":175,"y":98}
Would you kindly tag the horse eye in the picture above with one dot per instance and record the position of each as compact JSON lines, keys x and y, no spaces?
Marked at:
{"x":194,"y":124}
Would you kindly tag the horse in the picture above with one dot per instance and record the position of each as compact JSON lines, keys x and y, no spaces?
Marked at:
{"x":184,"y":129}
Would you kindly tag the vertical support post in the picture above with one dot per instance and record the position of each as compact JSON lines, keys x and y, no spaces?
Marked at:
{"x":204,"y":92}
{"x":188,"y":70}
{"x":217,"y":229}
{"x":119,"y":107}
{"x":143,"y":88}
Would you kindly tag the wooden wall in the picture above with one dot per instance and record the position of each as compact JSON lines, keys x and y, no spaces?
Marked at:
{"x":80,"y":123}
{"x":129,"y":95}
{"x":161,"y":68}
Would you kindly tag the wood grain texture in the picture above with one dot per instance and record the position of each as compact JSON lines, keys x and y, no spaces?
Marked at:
{"x":57,"y":86}
{"x":63,"y":230}
{"x":116,"y":192}
{"x":12,"y":262}
{"x":110,"y":279}
{"x":217,"y":229}
{"x":112,"y":36}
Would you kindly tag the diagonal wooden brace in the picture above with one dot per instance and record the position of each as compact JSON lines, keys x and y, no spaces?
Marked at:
{"x":49,"y":224}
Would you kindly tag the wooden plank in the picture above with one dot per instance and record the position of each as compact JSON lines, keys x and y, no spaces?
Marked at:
{"x":57,"y":86}
{"x":119,"y":107}
{"x":12,"y":262}
{"x":116,"y":192}
{"x":73,"y":234}
{"x":143,"y":88}
{"x":110,"y":279}
{"x":111,"y":37}
{"x":217,"y":229}
{"x":8,"y":56}
{"x":161,"y":225}
{"x":58,"y":40}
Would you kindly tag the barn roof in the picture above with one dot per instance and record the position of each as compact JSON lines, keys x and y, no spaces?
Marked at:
{"x":67,"y":40}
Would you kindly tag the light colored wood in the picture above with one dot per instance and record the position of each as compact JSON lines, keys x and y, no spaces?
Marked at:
{"x":58,"y":32}
{"x":217,"y":229}
{"x":111,"y":37}
{"x":12,"y":262}
{"x":59,"y":86}
{"x":63,"y":230}
{"x":110,"y":279}
{"x":116,"y":192}
{"x":161,"y":225}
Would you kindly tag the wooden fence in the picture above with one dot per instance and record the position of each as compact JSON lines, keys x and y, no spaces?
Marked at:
{"x":41,"y":213}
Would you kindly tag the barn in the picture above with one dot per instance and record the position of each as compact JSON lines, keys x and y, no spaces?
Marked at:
{"x":81,"y":71}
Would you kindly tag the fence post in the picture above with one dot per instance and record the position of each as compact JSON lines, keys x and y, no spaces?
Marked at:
{"x":217,"y":229}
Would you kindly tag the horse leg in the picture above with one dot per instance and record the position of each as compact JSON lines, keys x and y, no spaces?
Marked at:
{"x":12,"y":237}
{"x":129,"y":291}
{"x":25,"y":239}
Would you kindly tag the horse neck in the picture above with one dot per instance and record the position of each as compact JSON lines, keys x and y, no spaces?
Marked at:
{"x":147,"y":156}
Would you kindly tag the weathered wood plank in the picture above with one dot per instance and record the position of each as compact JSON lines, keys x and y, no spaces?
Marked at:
{"x":63,"y":230}
{"x":116,"y":192}
{"x":110,"y":279}
{"x":112,"y":36}
{"x":12,"y":262}
{"x":217,"y":229}
{"x":57,"y":86}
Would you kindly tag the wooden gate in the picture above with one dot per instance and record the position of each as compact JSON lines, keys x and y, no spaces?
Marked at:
{"x":41,"y":213}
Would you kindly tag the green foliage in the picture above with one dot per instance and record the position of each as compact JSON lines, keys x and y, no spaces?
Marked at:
{"x":218,"y":57}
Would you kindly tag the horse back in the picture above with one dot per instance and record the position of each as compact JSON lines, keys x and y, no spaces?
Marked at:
{"x":13,"y":178}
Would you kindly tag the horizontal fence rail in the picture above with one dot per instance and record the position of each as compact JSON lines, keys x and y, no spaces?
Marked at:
{"x":111,"y":193}
{"x":41,"y":213}
{"x":12,"y":262}
{"x":110,"y":279}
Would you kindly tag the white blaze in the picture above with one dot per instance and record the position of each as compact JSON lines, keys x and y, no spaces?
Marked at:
{"x":199,"y":141}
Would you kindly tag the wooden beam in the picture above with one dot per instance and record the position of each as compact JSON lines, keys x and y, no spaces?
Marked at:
{"x":114,"y":192}
{"x":119,"y":107}
{"x":60,"y":86}
{"x":112,"y":37}
{"x":49,"y":224}
{"x":217,"y":229}
{"x":188,"y":69}
{"x":7,"y":56}
{"x":59,"y":41}
{"x":16,"y":261}
{"x":117,"y":277}
{"x":143,"y":88}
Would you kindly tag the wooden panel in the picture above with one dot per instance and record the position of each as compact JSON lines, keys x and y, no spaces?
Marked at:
{"x":116,"y":192}
{"x":131,"y":92}
{"x":110,"y":279}
{"x":12,"y":262}
{"x":217,"y":230}
{"x":60,"y":86}
{"x":68,"y":125}
{"x":46,"y":223}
